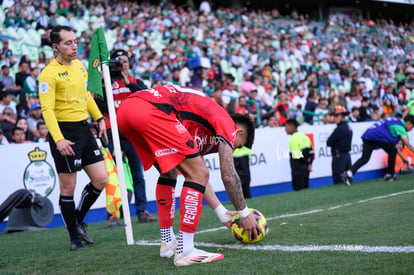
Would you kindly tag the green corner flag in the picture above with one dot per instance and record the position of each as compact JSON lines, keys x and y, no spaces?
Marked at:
{"x":99,"y":53}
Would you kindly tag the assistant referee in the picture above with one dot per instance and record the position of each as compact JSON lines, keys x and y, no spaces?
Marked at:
{"x":301,"y":155}
{"x":66,"y":105}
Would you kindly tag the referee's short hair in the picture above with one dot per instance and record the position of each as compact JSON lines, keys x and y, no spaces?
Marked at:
{"x":292,"y":122}
{"x":55,"y":33}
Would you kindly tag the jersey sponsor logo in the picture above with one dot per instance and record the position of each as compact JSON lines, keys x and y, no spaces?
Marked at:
{"x":64,"y":74}
{"x":97,"y":152}
{"x":165,"y":151}
{"x":43,"y":88}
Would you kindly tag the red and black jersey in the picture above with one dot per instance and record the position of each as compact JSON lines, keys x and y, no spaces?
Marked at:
{"x":207,"y":121}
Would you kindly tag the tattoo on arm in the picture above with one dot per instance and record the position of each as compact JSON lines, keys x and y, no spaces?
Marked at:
{"x":230,"y":177}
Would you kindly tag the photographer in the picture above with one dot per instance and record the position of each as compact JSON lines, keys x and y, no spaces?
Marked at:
{"x":122,"y":86}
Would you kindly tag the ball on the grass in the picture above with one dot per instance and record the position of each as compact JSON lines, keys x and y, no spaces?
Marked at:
{"x":241,"y":235}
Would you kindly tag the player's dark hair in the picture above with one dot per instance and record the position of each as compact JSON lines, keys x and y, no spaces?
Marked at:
{"x":409,"y":118}
{"x":292,"y":122}
{"x":55,"y":33}
{"x":248,"y":124}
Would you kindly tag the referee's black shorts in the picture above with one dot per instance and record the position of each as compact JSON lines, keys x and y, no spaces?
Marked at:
{"x":86,"y":149}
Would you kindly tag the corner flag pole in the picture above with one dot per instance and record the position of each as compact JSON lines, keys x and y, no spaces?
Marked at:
{"x":99,"y":58}
{"x":118,"y":153}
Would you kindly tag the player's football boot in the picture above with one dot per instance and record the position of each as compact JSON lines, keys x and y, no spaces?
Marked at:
{"x":196,"y":256}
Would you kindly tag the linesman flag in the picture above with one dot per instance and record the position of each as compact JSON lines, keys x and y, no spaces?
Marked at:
{"x":98,"y":55}
{"x":113,"y":191}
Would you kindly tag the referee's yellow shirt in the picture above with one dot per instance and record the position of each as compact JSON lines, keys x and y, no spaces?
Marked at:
{"x":64,"y":97}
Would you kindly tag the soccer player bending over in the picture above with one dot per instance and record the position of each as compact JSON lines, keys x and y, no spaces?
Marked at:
{"x":171,"y":127}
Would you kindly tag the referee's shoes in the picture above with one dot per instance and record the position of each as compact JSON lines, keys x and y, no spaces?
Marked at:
{"x":83,"y":234}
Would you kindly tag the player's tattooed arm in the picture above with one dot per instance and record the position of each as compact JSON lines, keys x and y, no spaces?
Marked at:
{"x":229,"y":176}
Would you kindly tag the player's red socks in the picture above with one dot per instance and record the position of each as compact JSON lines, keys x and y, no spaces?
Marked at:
{"x":190,"y":206}
{"x":164,"y":194}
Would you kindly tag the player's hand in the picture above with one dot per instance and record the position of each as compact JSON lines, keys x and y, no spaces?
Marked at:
{"x":249,"y":223}
{"x":64,"y":147}
{"x":229,"y":217}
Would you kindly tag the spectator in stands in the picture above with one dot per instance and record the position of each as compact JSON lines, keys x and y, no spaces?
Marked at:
{"x":218,"y":96}
{"x":35,"y":116}
{"x":272,"y":120}
{"x":402,"y":94}
{"x":367,"y":80}
{"x":242,"y":106}
{"x":374,"y":99}
{"x":30,"y":83}
{"x":246,"y":85}
{"x":3,"y":139}
{"x":42,"y":22}
{"x":230,"y":95}
{"x":257,"y":81}
{"x":389,"y":94}
{"x":320,"y":111}
{"x":282,"y":107}
{"x":23,"y":72}
{"x":299,"y":97}
{"x":41,"y":61}
{"x":43,"y":132}
{"x":388,"y":108}
{"x":310,"y":107}
{"x":7,"y":82}
{"x":375,"y":113}
{"x":19,"y":136}
{"x":363,"y":110}
{"x":7,"y":122}
{"x":23,"y":107}
{"x":6,"y":54}
{"x":354,"y":115}
{"x":353,"y":100}
{"x":205,"y":7}
{"x":6,"y":101}
{"x":22,"y":123}
{"x":267,"y":98}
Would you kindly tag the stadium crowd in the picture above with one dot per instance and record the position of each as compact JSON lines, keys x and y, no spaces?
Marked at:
{"x":271,"y":66}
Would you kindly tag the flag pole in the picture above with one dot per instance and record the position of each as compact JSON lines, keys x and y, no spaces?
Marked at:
{"x":117,"y":153}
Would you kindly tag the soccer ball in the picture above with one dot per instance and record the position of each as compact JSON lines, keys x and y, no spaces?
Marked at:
{"x":241,"y":235}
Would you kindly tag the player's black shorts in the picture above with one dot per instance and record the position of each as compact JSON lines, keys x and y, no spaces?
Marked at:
{"x":86,"y":149}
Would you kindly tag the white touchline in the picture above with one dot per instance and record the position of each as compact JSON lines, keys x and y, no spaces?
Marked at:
{"x":304,"y":248}
{"x":299,"y":248}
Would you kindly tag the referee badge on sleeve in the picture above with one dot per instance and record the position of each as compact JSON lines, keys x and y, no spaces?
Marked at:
{"x":43,"y":88}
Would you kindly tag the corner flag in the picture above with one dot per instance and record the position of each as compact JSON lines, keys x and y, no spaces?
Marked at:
{"x":99,"y":53}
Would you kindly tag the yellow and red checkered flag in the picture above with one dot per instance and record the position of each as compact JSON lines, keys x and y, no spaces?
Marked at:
{"x":113,"y":191}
